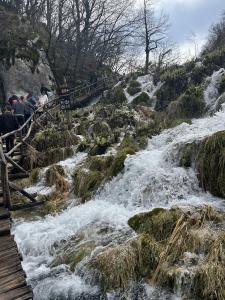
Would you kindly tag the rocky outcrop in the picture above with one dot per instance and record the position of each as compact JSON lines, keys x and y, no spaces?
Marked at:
{"x":182,"y":250}
{"x":208,"y":159}
{"x":22,"y":78}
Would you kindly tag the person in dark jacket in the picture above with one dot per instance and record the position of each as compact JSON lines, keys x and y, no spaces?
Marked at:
{"x":19,"y":111}
{"x":8,"y":123}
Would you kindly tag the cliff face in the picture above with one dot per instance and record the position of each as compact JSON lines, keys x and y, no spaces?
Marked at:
{"x":21,"y":78}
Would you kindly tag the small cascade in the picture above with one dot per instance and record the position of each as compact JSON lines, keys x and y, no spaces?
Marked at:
{"x":211,"y":92}
{"x":147,"y":86}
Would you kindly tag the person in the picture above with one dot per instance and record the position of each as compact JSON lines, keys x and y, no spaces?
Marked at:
{"x":31,"y":99}
{"x":29,"y":110}
{"x":19,"y":111}
{"x":8,"y":123}
{"x":44,"y":90}
{"x":42,"y":101}
{"x":12,"y":99}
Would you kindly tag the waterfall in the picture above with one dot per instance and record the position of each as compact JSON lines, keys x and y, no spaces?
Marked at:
{"x":152,"y":178}
{"x":211,"y":93}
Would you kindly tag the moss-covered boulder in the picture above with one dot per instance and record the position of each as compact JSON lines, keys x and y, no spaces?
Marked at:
{"x":55,"y":175}
{"x":211,"y":164}
{"x":51,"y":138}
{"x":143,"y":99}
{"x":134,"y":87}
{"x":129,"y":262}
{"x":86,"y":183}
{"x":159,"y":222}
{"x":190,"y":105}
{"x":222,"y":84}
{"x":102,"y":134}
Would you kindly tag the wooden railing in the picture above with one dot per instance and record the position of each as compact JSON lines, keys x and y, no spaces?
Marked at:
{"x":36,"y":119}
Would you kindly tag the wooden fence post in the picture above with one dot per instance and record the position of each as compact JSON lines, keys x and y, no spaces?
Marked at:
{"x":4,"y":178}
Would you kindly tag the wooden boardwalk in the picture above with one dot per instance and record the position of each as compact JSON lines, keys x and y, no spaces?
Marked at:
{"x":13,"y":285}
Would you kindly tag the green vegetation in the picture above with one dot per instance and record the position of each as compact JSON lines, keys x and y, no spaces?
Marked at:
{"x":134,"y":87}
{"x":53,"y":138}
{"x":142,"y":99}
{"x":55,"y":175}
{"x":211,"y":164}
{"x":189,"y":105}
{"x":86,"y":183}
{"x":222,"y":84}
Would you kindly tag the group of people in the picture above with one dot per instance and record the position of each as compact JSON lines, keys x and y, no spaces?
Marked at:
{"x":19,"y":110}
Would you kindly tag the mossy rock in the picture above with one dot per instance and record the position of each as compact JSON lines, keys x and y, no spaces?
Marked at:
{"x":143,"y":99}
{"x":118,"y":162}
{"x":102,"y":134}
{"x":119,"y":95}
{"x":99,"y":163}
{"x":86,"y":183}
{"x":52,"y":156}
{"x":129,"y":262}
{"x":159,"y":222}
{"x":190,"y":105}
{"x":52,"y":138}
{"x":211,"y":164}
{"x":222,"y":84}
{"x":34,"y":175}
{"x":72,"y":257}
{"x":188,"y":155}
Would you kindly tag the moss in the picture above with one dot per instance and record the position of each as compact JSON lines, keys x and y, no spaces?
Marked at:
{"x":122,"y":264}
{"x":159,"y":223}
{"x":143,"y":99}
{"x":86,"y":183}
{"x":52,"y":138}
{"x":100,"y":164}
{"x":188,"y":155}
{"x":222,"y":84}
{"x":171,"y":123}
{"x":55,"y":176}
{"x":211,"y":164}
{"x":209,"y":278}
{"x":34,"y":175}
{"x":72,"y":257}
{"x":189,"y":105}
{"x":119,"y":95}
{"x":118,"y":162}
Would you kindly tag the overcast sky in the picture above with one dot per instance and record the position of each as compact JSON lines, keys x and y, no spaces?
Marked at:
{"x":188,"y":16}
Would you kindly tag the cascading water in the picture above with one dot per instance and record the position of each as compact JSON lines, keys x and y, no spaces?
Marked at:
{"x":152,"y":178}
{"x":211,"y":93}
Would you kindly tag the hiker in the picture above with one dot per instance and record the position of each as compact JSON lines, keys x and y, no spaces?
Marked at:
{"x":8,"y":123}
{"x":19,"y":111}
{"x":45,"y":90}
{"x":43,"y":100}
{"x":12,"y":99}
{"x":32,"y":99}
{"x":29,"y":110}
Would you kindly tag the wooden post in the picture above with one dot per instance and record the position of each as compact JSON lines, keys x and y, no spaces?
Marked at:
{"x":4,"y":178}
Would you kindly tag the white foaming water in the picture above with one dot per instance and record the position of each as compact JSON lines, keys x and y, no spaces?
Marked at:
{"x":68,"y":166}
{"x":151,"y":179}
{"x":211,"y":93}
{"x":147,"y":86}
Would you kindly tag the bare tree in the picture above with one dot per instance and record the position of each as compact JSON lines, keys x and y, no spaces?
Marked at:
{"x":151,"y":30}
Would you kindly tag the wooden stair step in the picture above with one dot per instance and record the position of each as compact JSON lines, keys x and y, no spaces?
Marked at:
{"x":4,"y":213}
{"x":7,"y":242}
{"x":1,"y":201}
{"x":5,"y":227}
{"x":23,"y":293}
